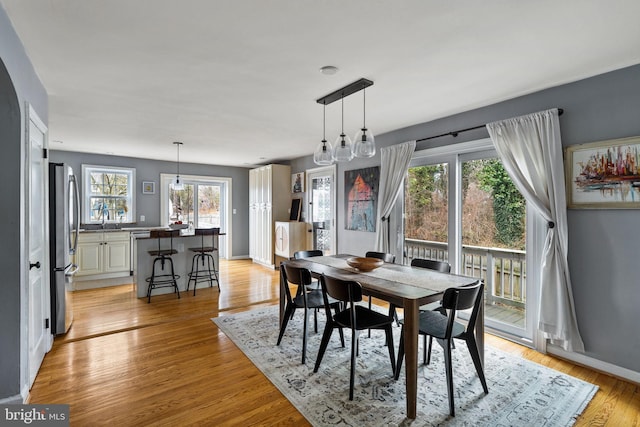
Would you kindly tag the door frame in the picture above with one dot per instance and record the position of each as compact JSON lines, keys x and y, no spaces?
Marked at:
{"x":328,"y":170}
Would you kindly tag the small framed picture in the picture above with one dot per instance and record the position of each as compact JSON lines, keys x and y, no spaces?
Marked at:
{"x":297,"y":182}
{"x":148,"y":187}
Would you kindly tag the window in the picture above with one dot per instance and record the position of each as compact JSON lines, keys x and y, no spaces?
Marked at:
{"x":108,"y":194}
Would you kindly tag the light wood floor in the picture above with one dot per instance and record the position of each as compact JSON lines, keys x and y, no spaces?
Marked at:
{"x":128,"y":363}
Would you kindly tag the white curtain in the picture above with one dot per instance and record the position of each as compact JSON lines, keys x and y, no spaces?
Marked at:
{"x":531,"y":152}
{"x":395,"y":162}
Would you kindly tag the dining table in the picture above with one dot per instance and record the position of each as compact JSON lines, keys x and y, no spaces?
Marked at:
{"x":404,"y":286}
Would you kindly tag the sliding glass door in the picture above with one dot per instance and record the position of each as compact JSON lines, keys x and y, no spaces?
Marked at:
{"x":461,"y":206}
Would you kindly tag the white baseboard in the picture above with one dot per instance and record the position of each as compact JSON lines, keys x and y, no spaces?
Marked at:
{"x":239,"y":257}
{"x":598,"y":365}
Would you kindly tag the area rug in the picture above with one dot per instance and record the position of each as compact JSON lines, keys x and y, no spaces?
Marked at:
{"x":521,"y":393}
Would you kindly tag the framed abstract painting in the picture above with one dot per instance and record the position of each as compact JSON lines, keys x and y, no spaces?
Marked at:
{"x":361,"y":198}
{"x":604,"y":174}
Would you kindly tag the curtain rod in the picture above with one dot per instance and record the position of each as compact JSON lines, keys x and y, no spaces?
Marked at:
{"x":456,"y":132}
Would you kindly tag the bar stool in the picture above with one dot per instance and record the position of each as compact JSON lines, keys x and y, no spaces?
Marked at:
{"x":203,"y":268}
{"x":160,"y":277}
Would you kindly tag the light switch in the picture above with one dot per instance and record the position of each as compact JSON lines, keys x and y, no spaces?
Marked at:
{"x":234,"y":211}
{"x":142,"y":218}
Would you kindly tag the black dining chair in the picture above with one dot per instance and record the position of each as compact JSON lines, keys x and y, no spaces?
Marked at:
{"x":309,"y":254}
{"x":388,"y":258}
{"x":442,"y":267}
{"x":355,"y":317}
{"x":305,"y":297}
{"x":444,"y":328}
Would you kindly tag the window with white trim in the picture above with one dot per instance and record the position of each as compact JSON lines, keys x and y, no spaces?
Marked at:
{"x":108,"y":194}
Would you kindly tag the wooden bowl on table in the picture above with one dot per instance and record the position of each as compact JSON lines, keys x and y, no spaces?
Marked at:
{"x":364,"y":264}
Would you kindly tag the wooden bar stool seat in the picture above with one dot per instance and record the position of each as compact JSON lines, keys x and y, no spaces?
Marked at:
{"x":163,"y":274}
{"x":203,"y":266}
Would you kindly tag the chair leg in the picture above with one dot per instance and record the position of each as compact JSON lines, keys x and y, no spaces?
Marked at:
{"x":475,"y":356}
{"x":389,"y":331}
{"x":400,"y":354}
{"x":326,"y":336}
{"x":429,"y":350}
{"x":449,"y":373}
{"x":369,"y":332}
{"x":173,"y":277}
{"x":354,"y":351}
{"x":288,"y":313}
{"x":337,"y":308}
{"x":424,"y":349}
{"x":304,"y":335}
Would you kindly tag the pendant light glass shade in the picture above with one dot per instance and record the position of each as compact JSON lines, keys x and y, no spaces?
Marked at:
{"x":323,"y":156}
{"x":343,"y":149}
{"x":177,"y":184}
{"x":364,"y":142}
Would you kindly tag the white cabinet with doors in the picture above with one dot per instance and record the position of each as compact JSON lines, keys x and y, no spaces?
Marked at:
{"x":291,"y":236}
{"x":104,"y":254}
{"x":269,"y":201}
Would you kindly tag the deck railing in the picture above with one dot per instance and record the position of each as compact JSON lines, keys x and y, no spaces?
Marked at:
{"x":508,"y":280}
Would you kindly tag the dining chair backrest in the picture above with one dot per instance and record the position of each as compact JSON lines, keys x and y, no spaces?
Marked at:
{"x":463,"y":298}
{"x":431,"y":264}
{"x":307,"y":254}
{"x":389,"y":258}
{"x":295,"y":275}
{"x":341,"y":290}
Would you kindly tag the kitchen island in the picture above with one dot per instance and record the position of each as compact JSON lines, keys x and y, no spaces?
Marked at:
{"x":143,"y":262}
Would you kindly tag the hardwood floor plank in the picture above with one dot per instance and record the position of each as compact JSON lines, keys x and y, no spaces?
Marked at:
{"x":128,"y":363}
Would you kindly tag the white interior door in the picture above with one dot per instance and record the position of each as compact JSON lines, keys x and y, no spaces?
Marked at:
{"x":39,"y":337}
{"x":321,"y":185}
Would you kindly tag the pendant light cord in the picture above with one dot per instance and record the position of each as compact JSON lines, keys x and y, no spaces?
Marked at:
{"x":364,"y":108}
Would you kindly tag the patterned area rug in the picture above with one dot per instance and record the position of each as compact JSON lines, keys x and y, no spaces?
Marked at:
{"x":521,"y":393}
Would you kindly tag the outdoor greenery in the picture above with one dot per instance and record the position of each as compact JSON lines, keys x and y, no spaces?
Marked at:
{"x":492,"y":209}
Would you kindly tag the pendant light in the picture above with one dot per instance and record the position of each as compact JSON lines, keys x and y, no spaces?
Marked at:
{"x":343,"y":150}
{"x":364,"y":142}
{"x":177,"y":183}
{"x":323,"y":155}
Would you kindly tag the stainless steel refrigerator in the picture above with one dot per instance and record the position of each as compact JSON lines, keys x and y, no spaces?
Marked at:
{"x":64,"y":223}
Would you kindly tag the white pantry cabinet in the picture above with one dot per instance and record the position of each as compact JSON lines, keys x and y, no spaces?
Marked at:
{"x":269,"y":201}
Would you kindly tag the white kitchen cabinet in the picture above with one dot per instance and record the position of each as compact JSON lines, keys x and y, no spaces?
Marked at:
{"x":105,"y":254}
{"x":291,"y":236}
{"x":269,"y":201}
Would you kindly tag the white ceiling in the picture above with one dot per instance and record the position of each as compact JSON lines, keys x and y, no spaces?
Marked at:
{"x":237,"y":81}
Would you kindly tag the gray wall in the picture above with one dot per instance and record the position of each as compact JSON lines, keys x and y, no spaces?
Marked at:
{"x":150,"y":170}
{"x":18,"y":84}
{"x":603,"y":254}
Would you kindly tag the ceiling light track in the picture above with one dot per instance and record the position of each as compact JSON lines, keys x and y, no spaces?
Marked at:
{"x":349,"y":89}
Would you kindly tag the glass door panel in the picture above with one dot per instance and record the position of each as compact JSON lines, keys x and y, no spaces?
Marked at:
{"x":208,"y":206}
{"x":426,"y":207}
{"x":321,"y":184}
{"x":494,"y":240}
